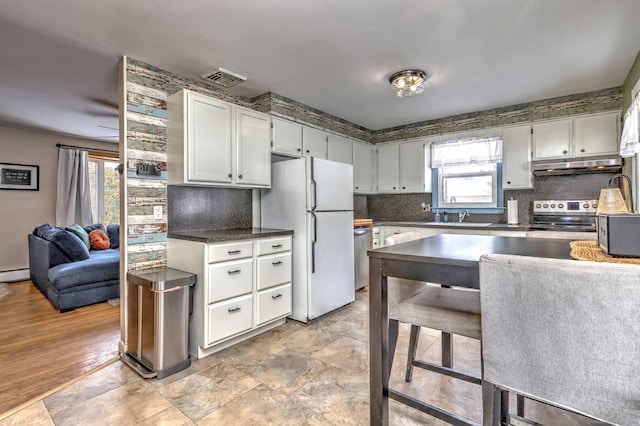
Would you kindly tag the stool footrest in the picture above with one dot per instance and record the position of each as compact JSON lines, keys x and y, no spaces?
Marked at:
{"x":431,"y":410}
{"x":447,"y":371}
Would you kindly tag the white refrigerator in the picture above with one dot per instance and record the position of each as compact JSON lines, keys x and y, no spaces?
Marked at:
{"x":314,"y":197}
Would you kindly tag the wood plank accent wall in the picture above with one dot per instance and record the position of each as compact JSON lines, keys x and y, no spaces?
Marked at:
{"x":148,"y":87}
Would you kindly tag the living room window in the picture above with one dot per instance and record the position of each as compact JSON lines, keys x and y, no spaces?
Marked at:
{"x":104,"y":183}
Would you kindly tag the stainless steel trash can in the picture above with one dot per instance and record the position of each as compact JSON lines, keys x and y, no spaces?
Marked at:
{"x":158,"y":321}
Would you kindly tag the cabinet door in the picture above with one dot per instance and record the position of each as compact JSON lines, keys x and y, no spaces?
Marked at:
{"x":226,"y":319}
{"x":287,"y":137}
{"x":362,"y":168}
{"x":273,"y":303}
{"x":314,"y":142}
{"x":253,"y":152}
{"x":388,"y":168}
{"x":209,"y":140}
{"x":596,"y":135}
{"x":340,"y":149}
{"x":552,"y":139}
{"x":516,"y":158}
{"x":412,"y":166}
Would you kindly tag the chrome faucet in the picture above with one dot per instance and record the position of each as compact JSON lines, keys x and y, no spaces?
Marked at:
{"x":463,"y":214}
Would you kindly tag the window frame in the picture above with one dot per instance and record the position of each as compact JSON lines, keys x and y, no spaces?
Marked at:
{"x":100,"y":209}
{"x":493,"y":173}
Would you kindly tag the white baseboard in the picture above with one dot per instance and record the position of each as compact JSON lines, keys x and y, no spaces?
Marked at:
{"x":14,"y":275}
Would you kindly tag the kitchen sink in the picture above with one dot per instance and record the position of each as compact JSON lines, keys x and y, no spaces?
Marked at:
{"x":470,"y":224}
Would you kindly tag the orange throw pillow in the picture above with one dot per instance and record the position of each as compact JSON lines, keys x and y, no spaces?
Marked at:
{"x":99,"y":239}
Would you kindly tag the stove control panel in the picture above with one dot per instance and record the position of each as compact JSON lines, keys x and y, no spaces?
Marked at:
{"x":565,"y":207}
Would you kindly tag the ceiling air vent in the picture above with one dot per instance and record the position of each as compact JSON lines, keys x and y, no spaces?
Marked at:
{"x":222,"y":77}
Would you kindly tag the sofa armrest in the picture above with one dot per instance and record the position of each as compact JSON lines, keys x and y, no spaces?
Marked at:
{"x":42,"y":256}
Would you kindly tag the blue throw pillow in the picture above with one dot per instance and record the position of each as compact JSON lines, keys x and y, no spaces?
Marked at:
{"x":39,"y":231}
{"x":94,"y":227}
{"x":67,"y":243}
{"x":113,"y":231}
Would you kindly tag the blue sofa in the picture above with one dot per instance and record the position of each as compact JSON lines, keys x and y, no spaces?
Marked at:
{"x":69,"y":273}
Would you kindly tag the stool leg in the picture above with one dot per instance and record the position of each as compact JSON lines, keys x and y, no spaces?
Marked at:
{"x":520,"y":405}
{"x":413,"y":347}
{"x":447,"y":350}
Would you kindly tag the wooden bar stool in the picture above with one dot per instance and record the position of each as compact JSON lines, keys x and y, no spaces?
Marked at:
{"x":450,"y":310}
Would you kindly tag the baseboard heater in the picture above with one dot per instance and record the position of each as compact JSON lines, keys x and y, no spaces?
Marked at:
{"x":14,"y":275}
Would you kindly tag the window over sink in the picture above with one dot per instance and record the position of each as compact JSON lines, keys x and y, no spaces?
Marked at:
{"x":468,"y":173}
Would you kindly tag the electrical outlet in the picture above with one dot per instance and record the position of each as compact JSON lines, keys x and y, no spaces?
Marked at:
{"x":157,"y":212}
{"x":426,"y":207}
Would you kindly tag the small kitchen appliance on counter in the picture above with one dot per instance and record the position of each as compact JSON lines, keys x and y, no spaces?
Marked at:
{"x":618,"y":234}
{"x":565,"y":215}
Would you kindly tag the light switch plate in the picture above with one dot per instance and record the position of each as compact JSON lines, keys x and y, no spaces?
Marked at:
{"x":157,"y":212}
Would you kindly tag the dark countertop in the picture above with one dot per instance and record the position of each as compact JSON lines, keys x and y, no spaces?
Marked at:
{"x":469,"y":225}
{"x":223,"y":235}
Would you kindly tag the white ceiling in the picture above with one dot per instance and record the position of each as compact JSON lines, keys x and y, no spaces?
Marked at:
{"x":59,"y":59}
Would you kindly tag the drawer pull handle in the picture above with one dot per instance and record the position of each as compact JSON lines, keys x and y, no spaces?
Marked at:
{"x":235,"y":271}
{"x":234,"y":251}
{"x":277,"y":296}
{"x":279,"y":262}
{"x":236,"y":309}
{"x":275,"y":246}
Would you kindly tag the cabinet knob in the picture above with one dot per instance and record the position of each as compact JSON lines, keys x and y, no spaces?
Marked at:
{"x":300,"y":150}
{"x":404,"y":187}
{"x":582,"y":150}
{"x":509,"y":182}
{"x":229,"y":175}
{"x":357,"y":187}
{"x":307,"y":151}
{"x":394,"y":187}
{"x":239,"y":176}
{"x":565,"y":152}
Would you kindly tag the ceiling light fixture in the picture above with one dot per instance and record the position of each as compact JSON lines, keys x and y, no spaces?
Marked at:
{"x":408,"y":82}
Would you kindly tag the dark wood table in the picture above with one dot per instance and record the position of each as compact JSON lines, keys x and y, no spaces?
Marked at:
{"x":447,"y":259}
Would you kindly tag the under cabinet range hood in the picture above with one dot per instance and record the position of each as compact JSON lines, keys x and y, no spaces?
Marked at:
{"x":574,"y":166}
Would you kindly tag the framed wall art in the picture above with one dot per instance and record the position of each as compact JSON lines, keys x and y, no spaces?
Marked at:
{"x":19,"y":176}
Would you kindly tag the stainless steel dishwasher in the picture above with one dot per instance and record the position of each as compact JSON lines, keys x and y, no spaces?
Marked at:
{"x":361,"y":243}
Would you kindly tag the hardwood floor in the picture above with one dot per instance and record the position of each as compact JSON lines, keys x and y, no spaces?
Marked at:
{"x":41,"y":349}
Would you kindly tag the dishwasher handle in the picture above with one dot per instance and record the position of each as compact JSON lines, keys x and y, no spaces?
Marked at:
{"x":360,"y":231}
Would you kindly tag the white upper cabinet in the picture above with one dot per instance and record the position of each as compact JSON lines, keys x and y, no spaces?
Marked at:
{"x":411,"y":166}
{"x":314,"y":142}
{"x":388,"y":168}
{"x":596,"y":134}
{"x":211,"y":142}
{"x":552,"y":139}
{"x":287,"y":137}
{"x":363,"y":170}
{"x":516,"y":157}
{"x":340,"y":149}
{"x":586,"y":136}
{"x":253,"y":154}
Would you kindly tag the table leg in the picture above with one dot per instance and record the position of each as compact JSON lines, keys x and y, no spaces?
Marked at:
{"x":447,"y":350}
{"x":378,"y":345}
{"x":491,"y":404}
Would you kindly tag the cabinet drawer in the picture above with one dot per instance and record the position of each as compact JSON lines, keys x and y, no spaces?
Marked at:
{"x":230,"y":279}
{"x":274,"y":270}
{"x":276,"y":245}
{"x":224,"y":252}
{"x":273,"y":303}
{"x":229,"y":318}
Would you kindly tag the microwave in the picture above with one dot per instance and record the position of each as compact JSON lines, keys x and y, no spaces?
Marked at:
{"x":619,"y":234}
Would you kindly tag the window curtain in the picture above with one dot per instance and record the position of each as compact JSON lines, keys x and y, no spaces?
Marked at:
{"x":465,"y":152}
{"x":629,"y":143}
{"x":73,"y":201}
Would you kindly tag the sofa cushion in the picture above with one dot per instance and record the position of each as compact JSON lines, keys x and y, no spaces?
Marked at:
{"x":94,"y":226}
{"x":113,"y":231}
{"x":104,"y":265}
{"x":99,"y":239}
{"x":67,"y":243}
{"x":81,"y":233}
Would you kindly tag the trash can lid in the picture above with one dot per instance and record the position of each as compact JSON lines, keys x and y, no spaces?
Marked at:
{"x":161,"y":278}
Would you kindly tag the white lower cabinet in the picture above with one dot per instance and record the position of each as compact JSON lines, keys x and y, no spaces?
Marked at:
{"x":243,"y":288}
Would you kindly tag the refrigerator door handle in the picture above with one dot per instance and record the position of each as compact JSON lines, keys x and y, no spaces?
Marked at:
{"x":313,"y":243}
{"x":312,"y":182}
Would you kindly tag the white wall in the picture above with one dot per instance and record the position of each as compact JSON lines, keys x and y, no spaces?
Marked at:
{"x":21,"y":211}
